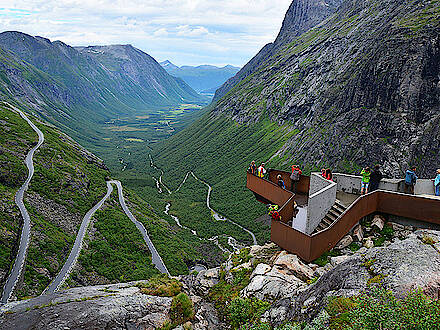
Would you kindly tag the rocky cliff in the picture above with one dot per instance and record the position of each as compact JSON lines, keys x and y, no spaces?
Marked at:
{"x":280,"y":287}
{"x":361,"y":87}
{"x":300,"y":17}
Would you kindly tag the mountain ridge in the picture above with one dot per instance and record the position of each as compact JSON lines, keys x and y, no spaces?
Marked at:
{"x":201,"y":77}
{"x":64,"y":85}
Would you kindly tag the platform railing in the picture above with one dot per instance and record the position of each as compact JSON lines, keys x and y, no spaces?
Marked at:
{"x":310,"y":247}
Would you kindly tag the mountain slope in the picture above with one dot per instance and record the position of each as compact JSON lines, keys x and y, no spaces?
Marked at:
{"x":351,"y":86}
{"x":203,"y":77}
{"x":67,"y":182}
{"x":300,"y":17}
{"x":79,"y":88}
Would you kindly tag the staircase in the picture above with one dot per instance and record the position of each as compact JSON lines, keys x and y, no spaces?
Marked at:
{"x":335,"y":212}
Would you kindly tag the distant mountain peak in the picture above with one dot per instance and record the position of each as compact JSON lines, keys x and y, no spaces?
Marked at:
{"x":167,"y":64}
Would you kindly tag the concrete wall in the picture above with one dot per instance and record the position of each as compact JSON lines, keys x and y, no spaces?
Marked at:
{"x":317,"y":183}
{"x":352,"y":184}
{"x":321,"y":199}
{"x":424,"y":187}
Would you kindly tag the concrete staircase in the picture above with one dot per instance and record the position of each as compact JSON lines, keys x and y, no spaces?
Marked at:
{"x":335,"y":212}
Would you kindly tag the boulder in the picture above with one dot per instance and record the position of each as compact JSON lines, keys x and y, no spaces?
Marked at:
{"x":344,"y":242}
{"x":264,"y":252}
{"x":338,"y":260}
{"x":272,"y":285}
{"x":291,"y":264}
{"x":358,"y":233}
{"x":348,"y":278}
{"x":202,"y":282}
{"x":368,"y":243}
{"x":408,"y":265}
{"x":378,"y":222}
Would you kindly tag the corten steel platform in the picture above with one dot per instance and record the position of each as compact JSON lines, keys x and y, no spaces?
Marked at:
{"x":311,"y":247}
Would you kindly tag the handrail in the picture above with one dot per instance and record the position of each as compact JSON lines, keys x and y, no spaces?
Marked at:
{"x":310,"y":247}
{"x":282,"y":197}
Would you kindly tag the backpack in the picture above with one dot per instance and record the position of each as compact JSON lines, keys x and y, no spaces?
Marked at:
{"x":275,"y":215}
{"x":295,"y":175}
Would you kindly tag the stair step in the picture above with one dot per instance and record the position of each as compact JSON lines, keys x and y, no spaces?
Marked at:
{"x":340,"y":209}
{"x":332,"y":216}
{"x":327,"y":221}
{"x":335,"y":213}
{"x":339,"y":203}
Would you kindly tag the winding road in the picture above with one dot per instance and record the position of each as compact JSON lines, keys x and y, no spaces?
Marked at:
{"x":76,"y":249}
{"x":156,"y":259}
{"x":215,"y":214}
{"x":17,"y":268}
{"x":25,"y":233}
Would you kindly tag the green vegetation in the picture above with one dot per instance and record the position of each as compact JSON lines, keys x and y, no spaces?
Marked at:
{"x":378,"y":308}
{"x":15,"y":141}
{"x":325,"y":258}
{"x":162,"y":286}
{"x":182,"y":309}
{"x":222,"y":160}
{"x":116,"y":251}
{"x":244,"y":311}
{"x":225,"y":291}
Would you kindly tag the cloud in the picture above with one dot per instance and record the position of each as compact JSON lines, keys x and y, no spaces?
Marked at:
{"x":183,"y":31}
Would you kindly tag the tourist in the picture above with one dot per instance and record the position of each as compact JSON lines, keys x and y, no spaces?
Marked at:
{"x":261,"y":171}
{"x":410,"y":180}
{"x":323,"y":172}
{"x":281,"y":182}
{"x":295,"y":177}
{"x":437,"y":183}
{"x":328,"y":174}
{"x":253,"y":168}
{"x":375,"y":178}
{"x":366,"y":174}
{"x":273,"y":212}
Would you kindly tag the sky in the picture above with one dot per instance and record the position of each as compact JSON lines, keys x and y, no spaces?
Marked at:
{"x":186,"y":32}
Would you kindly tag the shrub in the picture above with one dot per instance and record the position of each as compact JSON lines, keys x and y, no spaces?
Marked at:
{"x":378,"y":308}
{"x":243,"y":311}
{"x":182,"y":309}
{"x":240,"y":258}
{"x":162,"y":286}
{"x":224,"y":292}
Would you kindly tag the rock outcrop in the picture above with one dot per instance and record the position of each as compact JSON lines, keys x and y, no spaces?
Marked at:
{"x":300,"y":17}
{"x":119,"y":306}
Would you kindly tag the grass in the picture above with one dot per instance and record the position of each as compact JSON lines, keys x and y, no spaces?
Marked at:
{"x":161,"y":286}
{"x":116,"y":251}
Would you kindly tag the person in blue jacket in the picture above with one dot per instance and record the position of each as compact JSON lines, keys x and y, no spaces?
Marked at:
{"x":410,"y":180}
{"x":437,"y":183}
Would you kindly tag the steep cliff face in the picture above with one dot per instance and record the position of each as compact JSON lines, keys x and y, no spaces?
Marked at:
{"x":300,"y":17}
{"x":362,"y":87}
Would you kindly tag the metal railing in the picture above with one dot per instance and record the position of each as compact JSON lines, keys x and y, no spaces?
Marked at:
{"x":310,"y":247}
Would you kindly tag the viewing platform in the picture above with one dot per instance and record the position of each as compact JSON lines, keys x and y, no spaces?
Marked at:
{"x":328,"y":210}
